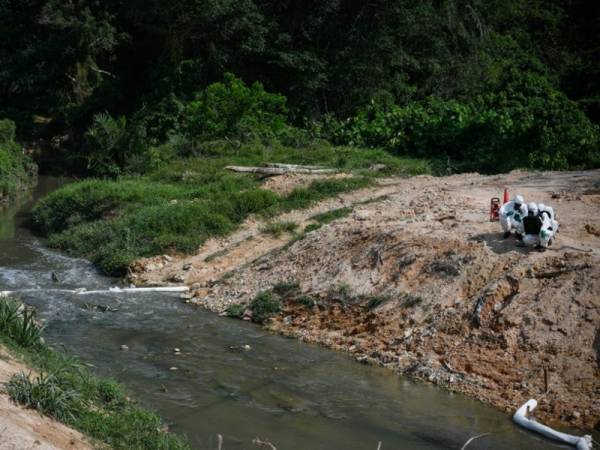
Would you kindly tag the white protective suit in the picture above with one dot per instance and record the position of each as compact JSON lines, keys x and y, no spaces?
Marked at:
{"x":549,"y":225}
{"x":534,"y":224}
{"x":511,"y":215}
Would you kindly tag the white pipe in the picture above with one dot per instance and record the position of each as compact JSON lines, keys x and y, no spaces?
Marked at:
{"x":112,"y":290}
{"x":520,"y":418}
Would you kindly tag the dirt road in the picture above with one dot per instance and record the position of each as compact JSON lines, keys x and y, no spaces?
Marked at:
{"x":417,"y":279}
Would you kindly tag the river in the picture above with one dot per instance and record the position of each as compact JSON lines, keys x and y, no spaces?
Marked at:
{"x":297,"y":396}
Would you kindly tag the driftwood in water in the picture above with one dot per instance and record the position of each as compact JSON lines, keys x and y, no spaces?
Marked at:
{"x":278,"y":170}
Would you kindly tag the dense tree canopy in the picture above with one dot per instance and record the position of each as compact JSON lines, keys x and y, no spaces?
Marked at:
{"x":63,"y":62}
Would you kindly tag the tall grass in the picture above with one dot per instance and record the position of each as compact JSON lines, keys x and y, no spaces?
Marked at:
{"x":177,"y":207}
{"x":64,"y":389}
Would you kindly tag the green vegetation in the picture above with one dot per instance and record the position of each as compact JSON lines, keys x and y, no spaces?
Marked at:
{"x":286,"y":289}
{"x":176,"y":207}
{"x":235,"y":310}
{"x":409,"y":300}
{"x":278,"y":228}
{"x":475,"y":85}
{"x":64,"y":389}
{"x":16,"y":170}
{"x":264,"y":305}
{"x":529,"y":123}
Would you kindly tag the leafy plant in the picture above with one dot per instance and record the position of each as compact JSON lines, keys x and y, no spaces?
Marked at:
{"x":264,"y":305}
{"x":235,"y":310}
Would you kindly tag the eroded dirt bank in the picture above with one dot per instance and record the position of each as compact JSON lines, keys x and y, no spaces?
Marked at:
{"x":418,"y":280}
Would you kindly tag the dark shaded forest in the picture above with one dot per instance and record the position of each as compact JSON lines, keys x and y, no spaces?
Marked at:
{"x":112,"y":86}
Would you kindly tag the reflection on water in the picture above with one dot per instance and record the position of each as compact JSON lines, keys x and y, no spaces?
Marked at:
{"x":295,"y":395}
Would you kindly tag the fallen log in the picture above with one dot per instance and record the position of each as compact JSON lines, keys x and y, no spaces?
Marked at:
{"x":277,"y":170}
{"x":294,"y":166}
{"x":521,"y":419}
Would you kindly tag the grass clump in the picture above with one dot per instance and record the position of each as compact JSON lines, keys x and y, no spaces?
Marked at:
{"x":65,"y":390}
{"x":409,"y":300}
{"x":264,"y":305}
{"x":278,"y":228}
{"x":373,"y":301}
{"x":330,"y":216}
{"x":286,"y":288}
{"x":18,"y":324}
{"x":235,"y":310}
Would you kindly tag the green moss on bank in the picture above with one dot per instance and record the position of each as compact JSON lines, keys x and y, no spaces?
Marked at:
{"x":68,"y":392}
{"x":177,"y":207}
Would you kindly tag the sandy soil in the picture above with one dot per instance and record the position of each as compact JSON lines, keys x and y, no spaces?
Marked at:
{"x":418,"y":280}
{"x":21,"y":428}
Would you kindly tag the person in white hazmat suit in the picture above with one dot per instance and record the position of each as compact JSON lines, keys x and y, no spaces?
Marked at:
{"x":549,"y":225}
{"x":533,"y":224}
{"x":511,"y":216}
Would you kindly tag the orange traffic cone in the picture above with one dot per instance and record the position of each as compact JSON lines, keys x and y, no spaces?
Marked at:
{"x":505,"y":199}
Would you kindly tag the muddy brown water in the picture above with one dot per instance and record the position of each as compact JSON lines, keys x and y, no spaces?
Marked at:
{"x":297,"y":396}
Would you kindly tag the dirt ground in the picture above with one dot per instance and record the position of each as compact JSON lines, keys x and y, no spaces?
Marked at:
{"x":419,"y":280}
{"x":22,"y":429}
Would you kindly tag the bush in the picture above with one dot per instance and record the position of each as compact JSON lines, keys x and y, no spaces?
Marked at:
{"x":234,"y":110}
{"x":235,"y":310}
{"x":278,"y":228}
{"x":525,"y":123}
{"x":264,"y":306}
{"x":107,"y":140}
{"x":16,"y":170}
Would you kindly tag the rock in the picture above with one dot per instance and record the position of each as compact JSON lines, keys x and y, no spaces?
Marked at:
{"x":167,"y":258}
{"x":187,"y":266}
{"x":173,"y":368}
{"x":196,"y":286}
{"x":576,"y":414}
{"x":247,"y":347}
{"x":177,"y":278}
{"x":124,"y":347}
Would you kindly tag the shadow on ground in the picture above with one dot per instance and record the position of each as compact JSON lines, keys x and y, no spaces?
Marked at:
{"x":498,"y":244}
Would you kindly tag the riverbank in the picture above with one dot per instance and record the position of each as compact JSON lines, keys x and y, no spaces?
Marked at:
{"x":18,"y":172}
{"x":62,"y":405}
{"x":396,"y":280}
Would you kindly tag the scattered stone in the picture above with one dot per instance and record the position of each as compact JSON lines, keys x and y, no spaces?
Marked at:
{"x":177,"y":278}
{"x":167,"y":258}
{"x":124,"y":347}
{"x":187,"y":266}
{"x":247,"y":347}
{"x":173,"y":368}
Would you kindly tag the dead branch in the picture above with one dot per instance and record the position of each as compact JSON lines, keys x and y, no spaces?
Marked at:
{"x":263,"y":444}
{"x":220,"y":439}
{"x":294,"y":166}
{"x":472,"y":439}
{"x":277,"y":170}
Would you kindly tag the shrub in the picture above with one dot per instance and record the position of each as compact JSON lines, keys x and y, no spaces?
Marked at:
{"x":235,"y":310}
{"x":286,"y":288}
{"x":526,"y":122}
{"x":107,"y":142}
{"x":278,"y":228}
{"x":331,"y":215}
{"x":264,"y":306}
{"x":233,"y":109}
{"x":16,"y":170}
